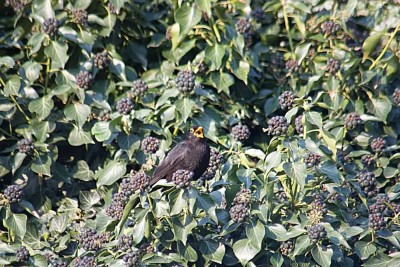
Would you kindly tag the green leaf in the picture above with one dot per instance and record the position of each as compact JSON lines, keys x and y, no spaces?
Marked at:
{"x":329,"y":169}
{"x":88,"y":199}
{"x":371,"y":42}
{"x":43,"y":8}
{"x":7,"y":62}
{"x":32,"y":70}
{"x":59,"y":223}
{"x":297,"y":171}
{"x":35,"y":42}
{"x":101,"y":131}
{"x":240,"y":69}
{"x":57,"y":52}
{"x":78,"y":137}
{"x":301,"y":52}
{"x":42,"y":165}
{"x":214,"y":55}
{"x":205,"y":202}
{"x":380,"y":107}
{"x":273,"y":160}
{"x":322,"y":255}
{"x":222,"y":81}
{"x":245,"y":250}
{"x":17,"y":223}
{"x":364,"y":249}
{"x":12,"y":86}
{"x":83,"y":171}
{"x":185,"y":107}
{"x":110,"y":173}
{"x":255,"y":232}
{"x":77,"y":112}
{"x":212,"y":250}
{"x":182,"y":227}
{"x":177,"y":203}
{"x":187,"y":16}
{"x":42,"y":107}
{"x":314,"y":118}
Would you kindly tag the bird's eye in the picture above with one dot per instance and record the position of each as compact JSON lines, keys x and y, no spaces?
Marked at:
{"x":191,"y":130}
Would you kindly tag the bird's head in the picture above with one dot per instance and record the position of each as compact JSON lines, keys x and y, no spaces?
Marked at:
{"x":196,"y":132}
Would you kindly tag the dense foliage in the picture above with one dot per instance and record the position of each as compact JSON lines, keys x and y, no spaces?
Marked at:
{"x":299,"y":101}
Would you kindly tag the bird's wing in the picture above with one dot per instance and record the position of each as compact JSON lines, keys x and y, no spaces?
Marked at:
{"x":171,"y":162}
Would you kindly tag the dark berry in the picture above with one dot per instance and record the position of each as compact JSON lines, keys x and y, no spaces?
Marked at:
{"x":116,"y":208}
{"x":79,"y":17}
{"x":291,"y":65}
{"x":299,"y":124}
{"x":319,"y":205}
{"x":131,"y":259}
{"x":125,"y":243}
{"x":13,"y":194}
{"x":286,"y":100}
{"x":216,"y":160}
{"x":378,"y":144}
{"x":86,"y":261}
{"x":277,"y":125}
{"x":242,"y":197}
{"x":137,"y":182}
{"x":84,"y":79}
{"x":241,"y":132}
{"x":286,"y":247}
{"x":101,"y":60}
{"x":50,"y":26}
{"x":185,"y":81}
{"x":145,"y":249}
{"x":182,"y":178}
{"x":258,"y":14}
{"x":91,"y":240}
{"x":243,"y":26}
{"x":329,"y":27}
{"x":239,"y":212}
{"x":57,"y":263}
{"x":332,"y":66}
{"x":352,"y":120}
{"x":312,"y":159}
{"x":25,"y":146}
{"x":150,"y":145}
{"x":139,"y":87}
{"x":316,"y":233}
{"x":125,"y":106}
{"x":367,"y":159}
{"x":368,"y":183}
{"x":278,"y":61}
{"x":396,"y":97}
{"x":17,"y":5}
{"x":22,"y":254}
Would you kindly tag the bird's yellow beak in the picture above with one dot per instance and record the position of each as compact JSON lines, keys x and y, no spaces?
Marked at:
{"x":199,"y":132}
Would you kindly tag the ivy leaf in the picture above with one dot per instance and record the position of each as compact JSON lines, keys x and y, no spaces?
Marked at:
{"x":110,"y":173}
{"x":314,"y":118}
{"x":182,"y":227}
{"x":297,"y":171}
{"x":214,"y":55}
{"x":77,"y":112}
{"x":322,"y":255}
{"x":255,"y":231}
{"x":17,"y":223}
{"x":371,"y":42}
{"x":78,"y":137}
{"x":41,"y":165}
{"x":380,"y":107}
{"x":88,"y":199}
{"x":187,"y":16}
{"x":59,"y":223}
{"x":364,"y":249}
{"x":12,"y":86}
{"x":185,"y":107}
{"x":245,"y":250}
{"x":212,"y":250}
{"x":222,"y":81}
{"x":58,"y":53}
{"x":42,"y":107}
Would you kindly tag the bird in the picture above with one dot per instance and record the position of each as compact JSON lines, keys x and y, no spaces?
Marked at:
{"x":192,"y":154}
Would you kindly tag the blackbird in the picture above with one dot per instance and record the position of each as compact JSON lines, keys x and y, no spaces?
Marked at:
{"x":192,"y":154}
